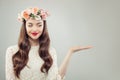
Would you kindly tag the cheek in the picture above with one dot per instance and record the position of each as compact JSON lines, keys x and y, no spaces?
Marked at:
{"x":27,"y":29}
{"x":41,"y":29}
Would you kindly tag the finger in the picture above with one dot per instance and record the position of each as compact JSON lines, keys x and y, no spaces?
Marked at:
{"x":88,"y":47}
{"x":85,"y":47}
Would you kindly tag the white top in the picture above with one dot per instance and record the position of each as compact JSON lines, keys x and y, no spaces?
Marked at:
{"x":34,"y":63}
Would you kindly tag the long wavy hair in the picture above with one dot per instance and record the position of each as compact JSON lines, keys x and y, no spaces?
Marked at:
{"x":20,"y":58}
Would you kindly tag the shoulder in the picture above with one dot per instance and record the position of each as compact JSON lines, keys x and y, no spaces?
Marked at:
{"x":52,"y":51}
{"x":12,"y":50}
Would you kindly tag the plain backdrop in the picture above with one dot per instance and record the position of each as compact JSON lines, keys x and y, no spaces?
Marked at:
{"x":72,"y":23}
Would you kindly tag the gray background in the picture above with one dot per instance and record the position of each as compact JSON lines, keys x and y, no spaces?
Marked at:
{"x":72,"y":22}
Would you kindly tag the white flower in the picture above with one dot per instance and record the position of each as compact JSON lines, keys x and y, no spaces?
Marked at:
{"x":37,"y":17}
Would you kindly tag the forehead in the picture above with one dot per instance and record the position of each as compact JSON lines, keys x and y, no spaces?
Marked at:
{"x":33,"y":21}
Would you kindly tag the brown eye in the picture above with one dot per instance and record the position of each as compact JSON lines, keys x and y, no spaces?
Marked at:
{"x":30,"y":25}
{"x":39,"y":25}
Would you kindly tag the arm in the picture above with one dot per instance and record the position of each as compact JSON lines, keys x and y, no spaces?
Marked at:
{"x":8,"y":65}
{"x":53,"y":71}
{"x":64,"y":65}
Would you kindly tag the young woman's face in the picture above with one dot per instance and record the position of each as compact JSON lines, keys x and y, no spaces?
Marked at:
{"x":34,"y":28}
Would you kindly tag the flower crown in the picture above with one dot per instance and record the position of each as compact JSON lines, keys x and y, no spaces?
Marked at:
{"x":34,"y":13}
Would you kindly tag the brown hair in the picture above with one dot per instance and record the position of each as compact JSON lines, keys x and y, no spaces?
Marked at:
{"x":20,"y":58}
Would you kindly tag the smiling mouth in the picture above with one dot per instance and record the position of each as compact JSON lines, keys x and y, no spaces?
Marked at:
{"x":34,"y":34}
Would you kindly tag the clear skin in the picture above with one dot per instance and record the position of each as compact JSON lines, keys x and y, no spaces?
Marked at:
{"x":37,"y":26}
{"x":34,"y":26}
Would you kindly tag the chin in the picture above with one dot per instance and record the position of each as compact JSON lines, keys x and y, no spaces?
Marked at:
{"x":35,"y":38}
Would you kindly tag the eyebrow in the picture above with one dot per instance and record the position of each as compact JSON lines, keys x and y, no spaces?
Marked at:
{"x":39,"y":23}
{"x":29,"y":23}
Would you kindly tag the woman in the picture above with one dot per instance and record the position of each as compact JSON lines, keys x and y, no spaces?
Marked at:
{"x":33,"y":58}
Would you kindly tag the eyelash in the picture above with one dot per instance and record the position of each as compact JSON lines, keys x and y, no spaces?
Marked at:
{"x":31,"y":25}
{"x":39,"y":25}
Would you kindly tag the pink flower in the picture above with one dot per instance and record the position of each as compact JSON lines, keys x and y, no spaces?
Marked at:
{"x":44,"y":13}
{"x":20,"y":18}
{"x":35,"y":10}
{"x":25,"y":14}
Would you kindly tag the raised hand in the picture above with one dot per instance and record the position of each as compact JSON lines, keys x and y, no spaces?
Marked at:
{"x":79,"y":48}
{"x":63,"y":67}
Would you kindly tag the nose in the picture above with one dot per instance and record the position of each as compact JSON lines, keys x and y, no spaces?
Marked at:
{"x":34,"y":28}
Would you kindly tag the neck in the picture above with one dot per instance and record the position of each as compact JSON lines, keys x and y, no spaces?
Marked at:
{"x":34,"y":42}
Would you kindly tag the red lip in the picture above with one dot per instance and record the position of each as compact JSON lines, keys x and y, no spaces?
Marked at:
{"x":34,"y":34}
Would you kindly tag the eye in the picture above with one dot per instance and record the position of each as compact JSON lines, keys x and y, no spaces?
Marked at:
{"x":39,"y":25}
{"x":30,"y":25}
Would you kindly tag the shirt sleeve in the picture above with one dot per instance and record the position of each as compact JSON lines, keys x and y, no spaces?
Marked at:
{"x":8,"y":65}
{"x":53,"y":71}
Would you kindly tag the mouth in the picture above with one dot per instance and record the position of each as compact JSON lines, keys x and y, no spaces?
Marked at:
{"x":34,"y":34}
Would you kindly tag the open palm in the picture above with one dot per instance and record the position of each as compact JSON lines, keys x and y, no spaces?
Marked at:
{"x":79,"y":48}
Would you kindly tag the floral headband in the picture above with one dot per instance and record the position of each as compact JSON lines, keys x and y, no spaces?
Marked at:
{"x":35,"y":13}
